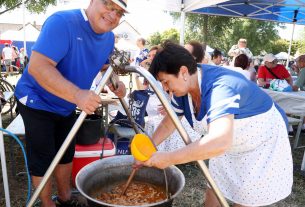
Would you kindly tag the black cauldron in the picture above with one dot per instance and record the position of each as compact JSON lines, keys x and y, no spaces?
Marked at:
{"x":90,"y":131}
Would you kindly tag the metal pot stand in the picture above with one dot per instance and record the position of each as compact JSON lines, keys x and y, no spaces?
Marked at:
{"x":119,"y":66}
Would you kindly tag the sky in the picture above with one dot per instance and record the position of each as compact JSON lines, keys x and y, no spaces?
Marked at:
{"x":145,"y":16}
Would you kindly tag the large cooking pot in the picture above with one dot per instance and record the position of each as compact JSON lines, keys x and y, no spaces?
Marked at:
{"x":102,"y":174}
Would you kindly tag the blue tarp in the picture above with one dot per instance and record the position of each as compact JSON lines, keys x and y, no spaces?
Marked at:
{"x":19,"y":44}
{"x":288,"y":11}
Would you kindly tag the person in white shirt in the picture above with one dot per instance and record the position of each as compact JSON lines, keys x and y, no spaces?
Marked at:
{"x":7,"y":55}
{"x":240,"y":48}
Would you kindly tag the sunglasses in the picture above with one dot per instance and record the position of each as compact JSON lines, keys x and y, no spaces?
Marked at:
{"x":112,"y":7}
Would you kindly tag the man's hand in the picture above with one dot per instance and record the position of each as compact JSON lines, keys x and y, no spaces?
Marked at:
{"x":120,"y":91}
{"x":295,"y":69}
{"x":87,"y":101}
{"x":161,"y":110}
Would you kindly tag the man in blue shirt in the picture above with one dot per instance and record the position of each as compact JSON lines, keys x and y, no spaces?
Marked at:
{"x":72,"y":48}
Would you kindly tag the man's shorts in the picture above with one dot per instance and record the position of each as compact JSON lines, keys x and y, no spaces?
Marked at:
{"x":8,"y":62}
{"x":45,"y":132}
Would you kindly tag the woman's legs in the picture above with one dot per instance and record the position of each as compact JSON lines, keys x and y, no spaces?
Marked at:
{"x":211,"y":199}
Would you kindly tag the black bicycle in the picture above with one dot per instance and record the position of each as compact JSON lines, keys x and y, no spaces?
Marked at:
{"x":7,"y":105}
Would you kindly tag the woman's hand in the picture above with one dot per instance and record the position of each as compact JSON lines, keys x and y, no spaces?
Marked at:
{"x":137,"y":164}
{"x":120,"y":91}
{"x":159,"y":160}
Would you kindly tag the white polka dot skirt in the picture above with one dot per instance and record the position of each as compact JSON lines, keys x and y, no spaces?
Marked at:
{"x":257,"y":170}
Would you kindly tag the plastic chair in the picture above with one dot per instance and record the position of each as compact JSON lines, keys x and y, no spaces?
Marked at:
{"x":296,"y":120}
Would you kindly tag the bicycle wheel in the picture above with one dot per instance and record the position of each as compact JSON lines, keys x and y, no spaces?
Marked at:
{"x":11,"y":103}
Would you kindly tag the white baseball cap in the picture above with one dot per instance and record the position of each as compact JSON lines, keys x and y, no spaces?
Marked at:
{"x":122,"y":4}
{"x":269,"y":58}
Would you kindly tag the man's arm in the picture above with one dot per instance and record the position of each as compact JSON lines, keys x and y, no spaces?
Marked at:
{"x":261,"y":82}
{"x":300,"y":81}
{"x":289,"y":80}
{"x":44,"y":70}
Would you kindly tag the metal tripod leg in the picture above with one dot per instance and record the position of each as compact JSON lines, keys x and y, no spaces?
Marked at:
{"x":179,"y":127}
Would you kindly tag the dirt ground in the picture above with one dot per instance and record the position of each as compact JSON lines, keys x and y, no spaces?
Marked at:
{"x":192,"y":195}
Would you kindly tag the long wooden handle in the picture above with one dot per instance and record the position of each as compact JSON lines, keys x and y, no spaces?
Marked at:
{"x":133,"y":172}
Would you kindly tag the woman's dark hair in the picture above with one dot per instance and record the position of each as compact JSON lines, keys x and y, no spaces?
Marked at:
{"x":216,"y":53}
{"x":170,"y":59}
{"x":242,"y":61}
{"x":198,"y":50}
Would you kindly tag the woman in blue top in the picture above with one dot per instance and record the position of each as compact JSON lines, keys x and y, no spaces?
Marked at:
{"x":247,"y":141}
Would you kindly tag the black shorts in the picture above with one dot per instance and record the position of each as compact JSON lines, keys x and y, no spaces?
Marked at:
{"x":45,"y":132}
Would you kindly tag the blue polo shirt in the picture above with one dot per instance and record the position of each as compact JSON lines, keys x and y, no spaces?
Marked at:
{"x":68,"y":39}
{"x":225,"y":92}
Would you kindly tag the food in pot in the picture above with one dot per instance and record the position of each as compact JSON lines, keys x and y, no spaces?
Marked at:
{"x":138,"y":193}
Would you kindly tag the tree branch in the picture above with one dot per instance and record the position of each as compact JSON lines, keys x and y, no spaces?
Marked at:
{"x":13,"y":7}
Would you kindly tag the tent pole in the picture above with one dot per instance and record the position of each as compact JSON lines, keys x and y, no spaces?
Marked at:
{"x":24,"y":40}
{"x":290,"y":44}
{"x":182,"y":24}
{"x":4,"y":169}
{"x":182,"y":19}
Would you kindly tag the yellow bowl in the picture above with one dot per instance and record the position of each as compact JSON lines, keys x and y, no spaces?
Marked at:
{"x":142,"y":147}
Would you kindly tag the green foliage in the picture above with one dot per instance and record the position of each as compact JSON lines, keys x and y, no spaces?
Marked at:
{"x":301,"y":43}
{"x":279,"y":45}
{"x":157,"y":38}
{"x":282,"y":45}
{"x":207,"y":29}
{"x":171,"y":34}
{"x":35,"y":6}
{"x":223,"y":32}
{"x":259,"y":34}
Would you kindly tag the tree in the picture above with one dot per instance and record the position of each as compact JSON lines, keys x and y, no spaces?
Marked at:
{"x":36,"y":6}
{"x":223,"y":32}
{"x":205,"y":28}
{"x":301,"y":43}
{"x":260,"y":35}
{"x":282,"y":45}
{"x":157,"y":38}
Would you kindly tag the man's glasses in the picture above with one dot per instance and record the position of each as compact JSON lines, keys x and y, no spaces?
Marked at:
{"x":112,"y":7}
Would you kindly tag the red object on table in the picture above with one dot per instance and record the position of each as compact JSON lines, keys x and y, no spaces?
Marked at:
{"x":85,"y":154}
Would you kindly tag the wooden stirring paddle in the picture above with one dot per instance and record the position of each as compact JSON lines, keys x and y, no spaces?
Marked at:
{"x":133,"y":172}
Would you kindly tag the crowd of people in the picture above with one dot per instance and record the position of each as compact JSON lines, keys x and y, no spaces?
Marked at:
{"x":13,"y":59}
{"x":220,"y":105}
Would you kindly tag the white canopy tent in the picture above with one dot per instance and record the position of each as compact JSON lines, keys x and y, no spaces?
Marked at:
{"x":31,"y":34}
{"x":282,"y":56}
